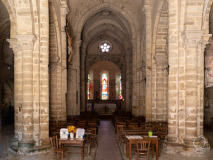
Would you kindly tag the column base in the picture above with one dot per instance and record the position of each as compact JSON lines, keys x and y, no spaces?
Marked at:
{"x":27,"y":148}
{"x":189,"y":148}
{"x":26,"y":144}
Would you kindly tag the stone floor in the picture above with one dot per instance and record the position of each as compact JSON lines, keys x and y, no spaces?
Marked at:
{"x":107,"y":149}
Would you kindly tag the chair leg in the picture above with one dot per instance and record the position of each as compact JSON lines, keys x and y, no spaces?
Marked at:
{"x":62,"y":156}
{"x":152,"y":150}
{"x":88,"y":149}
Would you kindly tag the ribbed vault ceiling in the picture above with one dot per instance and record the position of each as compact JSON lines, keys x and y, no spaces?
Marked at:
{"x":107,"y":25}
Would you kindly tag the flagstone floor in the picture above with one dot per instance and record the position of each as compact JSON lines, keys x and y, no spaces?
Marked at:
{"x":107,"y":149}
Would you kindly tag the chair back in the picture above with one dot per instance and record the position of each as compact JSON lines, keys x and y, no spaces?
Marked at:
{"x":93,"y":131}
{"x":120,"y":127}
{"x":54,"y":142}
{"x":143,"y":145}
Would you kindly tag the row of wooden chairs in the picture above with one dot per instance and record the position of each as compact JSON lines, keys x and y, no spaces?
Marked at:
{"x":56,"y":126}
{"x":160,"y":131}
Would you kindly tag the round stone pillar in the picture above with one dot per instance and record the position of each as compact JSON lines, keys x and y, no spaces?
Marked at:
{"x":26,"y":44}
{"x":192,"y":42}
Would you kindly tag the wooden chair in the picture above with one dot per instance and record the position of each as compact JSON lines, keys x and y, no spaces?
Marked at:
{"x":119,"y":129}
{"x":162,"y":132}
{"x":134,"y":127}
{"x":142,"y":150}
{"x":91,"y":124}
{"x":55,"y":146}
{"x":93,"y":136}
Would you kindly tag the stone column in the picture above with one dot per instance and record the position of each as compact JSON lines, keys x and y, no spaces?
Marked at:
{"x":44,"y":73}
{"x":161,"y":113}
{"x":147,"y":11}
{"x":26,"y":43}
{"x":83,"y":81}
{"x":64,"y":11}
{"x":76,"y":47}
{"x":128,"y":86}
{"x":192,"y":40}
{"x":174,"y":97}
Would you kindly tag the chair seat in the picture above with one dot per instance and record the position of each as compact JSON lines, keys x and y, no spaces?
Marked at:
{"x":57,"y":149}
{"x":60,"y":149}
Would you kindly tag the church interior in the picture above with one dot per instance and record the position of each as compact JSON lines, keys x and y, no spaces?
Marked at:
{"x":126,"y":72}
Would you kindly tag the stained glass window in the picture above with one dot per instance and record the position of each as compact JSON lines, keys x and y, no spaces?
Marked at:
{"x":120,"y":88}
{"x":105,"y":46}
{"x":104,"y":87}
{"x":88,"y":88}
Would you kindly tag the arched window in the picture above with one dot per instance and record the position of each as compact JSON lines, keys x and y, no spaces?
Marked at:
{"x":120,"y":88}
{"x":88,"y":88}
{"x":90,"y":85}
{"x":104,"y":87}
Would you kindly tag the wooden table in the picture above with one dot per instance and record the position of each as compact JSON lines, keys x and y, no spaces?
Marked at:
{"x":134,"y":141}
{"x":73,"y":142}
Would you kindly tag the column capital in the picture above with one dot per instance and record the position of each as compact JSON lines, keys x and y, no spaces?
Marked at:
{"x":211,"y":41}
{"x":13,"y":44}
{"x":64,"y":8}
{"x":192,"y":38}
{"x":26,"y":42}
{"x":147,"y":10}
{"x":206,"y":39}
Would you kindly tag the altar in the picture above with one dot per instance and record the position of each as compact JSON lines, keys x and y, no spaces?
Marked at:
{"x":105,"y":108}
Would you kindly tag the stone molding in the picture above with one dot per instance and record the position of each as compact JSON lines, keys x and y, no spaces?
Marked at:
{"x":205,"y":6}
{"x":206,"y":40}
{"x":147,"y":10}
{"x":192,"y":38}
{"x":13,"y":44}
{"x":26,"y":42}
{"x":64,"y":8}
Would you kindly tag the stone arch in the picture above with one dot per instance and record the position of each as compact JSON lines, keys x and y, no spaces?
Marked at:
{"x":12,"y":16}
{"x":84,"y":18}
{"x":133,"y":40}
{"x":56,"y":27}
{"x":206,"y":13}
{"x":102,"y":28}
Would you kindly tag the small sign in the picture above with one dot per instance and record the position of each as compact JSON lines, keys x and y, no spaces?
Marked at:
{"x":64,"y":133}
{"x":80,"y":133}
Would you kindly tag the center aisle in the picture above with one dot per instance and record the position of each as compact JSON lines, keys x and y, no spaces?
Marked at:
{"x":108,"y":148}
